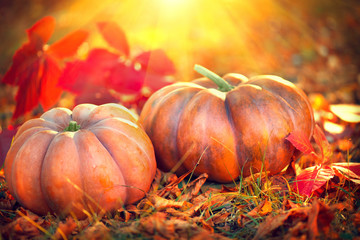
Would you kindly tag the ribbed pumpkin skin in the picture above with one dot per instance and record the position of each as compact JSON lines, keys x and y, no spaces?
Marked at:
{"x":226,"y":133}
{"x":109,"y":162}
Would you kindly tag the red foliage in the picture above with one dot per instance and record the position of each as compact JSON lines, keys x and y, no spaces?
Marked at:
{"x":104,"y":76}
{"x":36,"y":66}
{"x":94,"y":78}
{"x":115,"y":36}
{"x":301,"y":142}
{"x":313,"y":178}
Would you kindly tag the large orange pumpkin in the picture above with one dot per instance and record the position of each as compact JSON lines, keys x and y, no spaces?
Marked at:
{"x":91,"y":159}
{"x":226,"y":129}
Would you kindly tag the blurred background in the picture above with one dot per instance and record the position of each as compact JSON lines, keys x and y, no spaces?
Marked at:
{"x":313,"y":43}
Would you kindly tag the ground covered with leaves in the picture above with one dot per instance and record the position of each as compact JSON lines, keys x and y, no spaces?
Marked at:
{"x":256,"y":207}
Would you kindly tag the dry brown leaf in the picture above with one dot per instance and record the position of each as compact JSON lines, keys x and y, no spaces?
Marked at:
{"x":348,"y":204}
{"x":27,"y":225}
{"x":161,"y":203}
{"x":315,"y":219}
{"x":320,"y":217}
{"x":172,"y":187}
{"x":125,"y":215}
{"x":220,"y":217}
{"x":193,"y":188}
{"x":356,"y":219}
{"x":204,"y":201}
{"x":226,"y":189}
{"x":65,"y":229}
{"x":98,"y":231}
{"x":288,"y":204}
{"x":273,"y":222}
{"x":262,"y":209}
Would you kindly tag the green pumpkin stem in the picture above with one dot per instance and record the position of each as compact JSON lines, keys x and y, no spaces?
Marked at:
{"x":73,"y":127}
{"x":223,"y":85}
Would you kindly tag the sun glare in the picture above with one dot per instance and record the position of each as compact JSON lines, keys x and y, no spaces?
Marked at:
{"x":209,"y":32}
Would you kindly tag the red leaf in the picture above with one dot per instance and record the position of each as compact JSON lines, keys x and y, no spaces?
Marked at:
{"x":41,"y":31}
{"x":28,"y":94}
{"x":115,"y":36}
{"x":301,"y":142}
{"x":323,"y":143}
{"x":156,"y":81}
{"x":350,"y":171}
{"x":67,"y":46}
{"x":79,"y":75}
{"x":24,"y":57}
{"x":50,"y":93}
{"x":156,"y":61}
{"x":95,"y":95}
{"x":126,"y":79}
{"x":34,"y":70}
{"x":313,"y":178}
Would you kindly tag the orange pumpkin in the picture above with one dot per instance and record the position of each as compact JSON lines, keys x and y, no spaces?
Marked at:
{"x":91,"y":159}
{"x":228,"y":128}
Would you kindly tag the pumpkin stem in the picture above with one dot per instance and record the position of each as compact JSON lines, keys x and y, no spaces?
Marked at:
{"x":223,"y":85}
{"x":73,"y":127}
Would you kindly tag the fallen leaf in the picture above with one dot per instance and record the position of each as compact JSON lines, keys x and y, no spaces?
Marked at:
{"x":172,"y":187}
{"x":301,"y":142}
{"x":161,"y":203}
{"x":322,"y":142}
{"x":273,"y":222}
{"x":192,"y":189}
{"x":349,"y":170}
{"x":64,"y":229}
{"x":315,"y":219}
{"x":27,"y":225}
{"x":320,"y":217}
{"x":98,"y":231}
{"x":262,"y":209}
{"x":313,"y":178}
{"x":347,"y":112}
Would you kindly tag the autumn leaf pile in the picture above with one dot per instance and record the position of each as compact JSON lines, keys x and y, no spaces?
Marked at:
{"x":257,"y":207}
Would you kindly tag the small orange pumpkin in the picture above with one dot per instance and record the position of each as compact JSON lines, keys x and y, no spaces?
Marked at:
{"x":90,"y":159}
{"x":223,"y":130}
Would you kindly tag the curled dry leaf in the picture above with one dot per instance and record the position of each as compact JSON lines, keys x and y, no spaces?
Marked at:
{"x":172,"y":187}
{"x":27,"y":225}
{"x":316,"y":219}
{"x":98,"y":231}
{"x":262,"y":209}
{"x":192,"y":189}
{"x":320,"y":217}
{"x":65,"y":229}
{"x":161,"y":203}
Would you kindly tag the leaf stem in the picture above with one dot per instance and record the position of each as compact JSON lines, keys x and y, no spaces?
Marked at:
{"x":223,"y":85}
